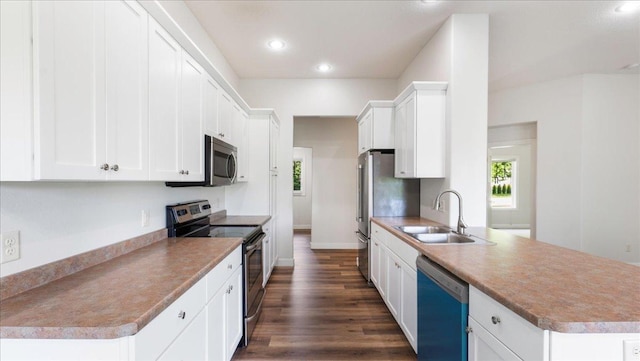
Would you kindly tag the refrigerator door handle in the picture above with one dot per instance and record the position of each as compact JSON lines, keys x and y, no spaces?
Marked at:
{"x":359,"y":194}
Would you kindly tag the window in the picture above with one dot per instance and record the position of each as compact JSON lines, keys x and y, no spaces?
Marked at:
{"x":503,"y":185}
{"x":298,"y":177}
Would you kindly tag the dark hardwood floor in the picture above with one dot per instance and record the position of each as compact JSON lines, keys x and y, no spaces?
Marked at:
{"x":324,"y":310}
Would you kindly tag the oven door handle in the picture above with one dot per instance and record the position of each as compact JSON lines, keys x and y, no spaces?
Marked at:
{"x":250,"y":318}
{"x":257,"y":243}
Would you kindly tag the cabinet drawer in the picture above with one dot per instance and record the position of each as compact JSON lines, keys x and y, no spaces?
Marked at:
{"x":220,"y":273}
{"x":155,"y":337}
{"x":406,"y":253}
{"x":523,"y":338}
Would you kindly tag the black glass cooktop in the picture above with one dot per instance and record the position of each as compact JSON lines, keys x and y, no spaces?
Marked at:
{"x":244,"y":232}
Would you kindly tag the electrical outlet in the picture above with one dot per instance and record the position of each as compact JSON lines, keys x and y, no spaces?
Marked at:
{"x":627,"y":248}
{"x":145,"y":218}
{"x":631,"y":350}
{"x":10,"y":246}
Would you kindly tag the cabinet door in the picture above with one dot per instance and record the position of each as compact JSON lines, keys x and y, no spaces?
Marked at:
{"x":233,"y":314}
{"x":383,"y":289}
{"x":164,"y":105}
{"x":191,"y":142}
{"x":70,"y":93}
{"x":210,"y":105}
{"x":240,"y":124}
{"x":400,"y":140}
{"x":365,"y":127}
{"x":225,"y":116}
{"x":405,"y":166}
{"x":394,"y":285}
{"x":273,"y":196}
{"x":216,"y":331}
{"x":409,"y":305}
{"x":266,"y":258}
{"x":127,"y":90}
{"x":375,"y":262}
{"x":274,"y":138}
{"x":483,"y":346}
{"x":191,"y":344}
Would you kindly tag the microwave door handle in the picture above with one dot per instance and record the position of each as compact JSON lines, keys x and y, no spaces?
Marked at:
{"x":232,"y":157}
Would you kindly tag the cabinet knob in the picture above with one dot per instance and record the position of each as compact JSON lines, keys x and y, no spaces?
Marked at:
{"x":401,"y":172}
{"x":468,"y":329}
{"x":186,"y":172}
{"x":181,"y":172}
{"x":182,"y":315}
{"x":104,"y":166}
{"x":230,"y":288}
{"x":229,"y":266}
{"x":221,"y":134}
{"x":115,"y":168}
{"x":228,"y":291}
{"x":495,"y":320}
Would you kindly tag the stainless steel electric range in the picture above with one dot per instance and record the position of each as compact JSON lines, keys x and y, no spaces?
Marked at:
{"x":191,"y":219}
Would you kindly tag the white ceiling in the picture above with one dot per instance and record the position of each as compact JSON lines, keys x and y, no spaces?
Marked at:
{"x":530,"y":41}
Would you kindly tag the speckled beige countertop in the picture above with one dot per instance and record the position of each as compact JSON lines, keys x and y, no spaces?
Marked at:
{"x":554,"y":288}
{"x":115,"y":298}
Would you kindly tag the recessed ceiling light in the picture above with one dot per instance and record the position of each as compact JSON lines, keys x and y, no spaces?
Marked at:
{"x":628,"y":7}
{"x":324,"y":67}
{"x":276,"y":44}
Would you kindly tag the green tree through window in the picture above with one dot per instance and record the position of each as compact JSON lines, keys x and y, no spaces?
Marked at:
{"x":297,"y":175}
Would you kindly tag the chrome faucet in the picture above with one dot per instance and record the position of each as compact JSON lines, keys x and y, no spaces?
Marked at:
{"x":462,"y":227}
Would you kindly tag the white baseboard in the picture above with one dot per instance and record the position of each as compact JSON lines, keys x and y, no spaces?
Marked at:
{"x":323,"y":245}
{"x":284,"y":262}
{"x":302,"y":226}
{"x":634,"y":263}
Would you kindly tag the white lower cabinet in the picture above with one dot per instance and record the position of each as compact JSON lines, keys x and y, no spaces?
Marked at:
{"x":393,"y":271}
{"x":191,"y":344}
{"x":188,"y":329}
{"x":268,"y":252}
{"x":483,"y":346}
{"x":224,"y":318}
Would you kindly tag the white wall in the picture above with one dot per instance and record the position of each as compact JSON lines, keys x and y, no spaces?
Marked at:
{"x":610,"y":174}
{"x":58,"y":220}
{"x":306,"y":97}
{"x":458,"y":54}
{"x":302,"y":202}
{"x":335,"y":143}
{"x":584,"y":123}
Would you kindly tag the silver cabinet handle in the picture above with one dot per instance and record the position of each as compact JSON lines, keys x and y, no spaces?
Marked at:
{"x":231,"y":288}
{"x":401,"y":172}
{"x":182,"y":315}
{"x":230,"y":266}
{"x":186,"y":172}
{"x":468,"y":329}
{"x":181,"y":172}
{"x":495,"y":320}
{"x":115,"y":168}
{"x":104,"y":166}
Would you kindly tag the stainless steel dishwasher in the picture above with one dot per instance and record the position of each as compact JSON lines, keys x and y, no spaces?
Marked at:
{"x":443,"y":308}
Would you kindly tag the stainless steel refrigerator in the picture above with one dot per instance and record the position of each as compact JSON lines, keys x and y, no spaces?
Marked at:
{"x":379,"y":194}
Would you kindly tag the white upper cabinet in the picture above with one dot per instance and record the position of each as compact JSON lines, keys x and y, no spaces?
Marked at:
{"x":274,"y":138}
{"x":211,"y":89}
{"x":91,"y":90}
{"x":420,"y":137}
{"x":241,"y":123}
{"x":192,"y":140}
{"x":375,"y":126}
{"x":127,"y":90}
{"x":70,"y":117}
{"x":225,"y":117}
{"x":165,"y":58}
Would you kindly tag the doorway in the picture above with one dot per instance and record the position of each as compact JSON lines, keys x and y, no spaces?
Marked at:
{"x":302,"y":189}
{"x":512,"y":179}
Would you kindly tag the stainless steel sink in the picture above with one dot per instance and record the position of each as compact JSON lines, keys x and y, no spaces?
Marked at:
{"x":424,"y":229}
{"x":440,"y":235}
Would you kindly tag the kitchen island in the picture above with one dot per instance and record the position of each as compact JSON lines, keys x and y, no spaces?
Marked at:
{"x":562,"y":291}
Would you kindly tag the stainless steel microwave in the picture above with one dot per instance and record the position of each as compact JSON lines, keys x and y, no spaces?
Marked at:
{"x":220,"y":165}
